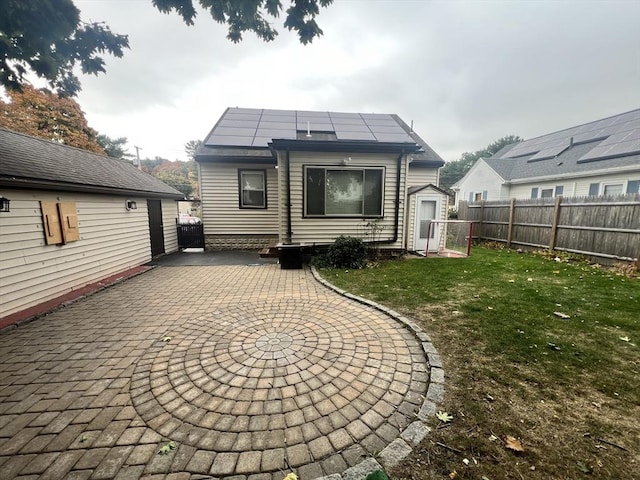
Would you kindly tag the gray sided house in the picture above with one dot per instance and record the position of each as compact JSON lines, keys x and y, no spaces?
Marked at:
{"x":307,"y":177}
{"x":74,"y":218}
{"x":597,"y":158}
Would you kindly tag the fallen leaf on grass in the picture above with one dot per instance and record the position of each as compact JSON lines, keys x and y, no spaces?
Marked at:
{"x":492,"y":438}
{"x":512,"y":443}
{"x":465,"y":461}
{"x":453,"y":475}
{"x":553,"y":346}
{"x":584,"y":468}
{"x":561,"y":315}
{"x":444,"y":417}
{"x":625,"y":339}
{"x":166,"y":449}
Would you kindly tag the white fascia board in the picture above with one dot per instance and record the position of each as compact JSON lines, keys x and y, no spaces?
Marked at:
{"x":589,"y":173}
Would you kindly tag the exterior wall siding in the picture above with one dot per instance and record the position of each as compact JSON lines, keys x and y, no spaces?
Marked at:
{"x":574,"y":187}
{"x":422,"y":176}
{"x":170,"y":222}
{"x":482,"y":178}
{"x":112,"y":240}
{"x":221,"y":213}
{"x":325,"y":230}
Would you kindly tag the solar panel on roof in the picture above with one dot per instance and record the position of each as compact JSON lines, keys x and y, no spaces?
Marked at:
{"x":241,"y":132}
{"x":547,"y":153}
{"x":245,"y":110}
{"x":237,"y":123}
{"x":273,"y":133}
{"x":335,"y":115}
{"x":242,"y":116}
{"x":229,"y":140}
{"x":278,"y":125}
{"x":393,"y":137}
{"x":387,"y":129}
{"x":354,"y":136}
{"x":347,"y":121}
{"x":352,"y":128}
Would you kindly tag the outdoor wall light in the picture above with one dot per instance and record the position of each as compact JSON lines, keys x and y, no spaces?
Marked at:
{"x":131,"y":205}
{"x":4,"y":204}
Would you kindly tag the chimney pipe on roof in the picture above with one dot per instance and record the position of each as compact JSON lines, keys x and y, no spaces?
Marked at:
{"x":411,"y":126}
{"x":571,"y":142}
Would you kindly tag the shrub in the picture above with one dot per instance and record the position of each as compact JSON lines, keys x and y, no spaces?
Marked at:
{"x":347,"y":252}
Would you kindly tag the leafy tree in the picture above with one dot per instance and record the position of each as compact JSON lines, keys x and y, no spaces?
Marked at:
{"x":253,"y":16}
{"x":177,"y":181}
{"x":114,"y":147}
{"x":454,"y":171}
{"x":47,"y":115}
{"x":191,"y":147}
{"x":48,"y":37}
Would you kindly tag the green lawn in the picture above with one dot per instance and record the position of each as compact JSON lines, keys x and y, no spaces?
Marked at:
{"x":515,"y":367}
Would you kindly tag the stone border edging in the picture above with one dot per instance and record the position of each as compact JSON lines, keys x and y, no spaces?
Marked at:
{"x":401,"y":447}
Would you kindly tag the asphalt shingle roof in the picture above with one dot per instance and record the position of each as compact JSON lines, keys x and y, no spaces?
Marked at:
{"x":26,"y":160}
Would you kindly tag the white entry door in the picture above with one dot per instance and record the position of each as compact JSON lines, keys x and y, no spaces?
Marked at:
{"x":427,"y":208}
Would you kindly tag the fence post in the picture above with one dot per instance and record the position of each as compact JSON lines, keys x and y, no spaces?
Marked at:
{"x":480,"y":228}
{"x":554,"y":226}
{"x":512,"y":209}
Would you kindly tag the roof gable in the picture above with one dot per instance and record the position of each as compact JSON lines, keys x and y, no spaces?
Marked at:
{"x":30,"y":161}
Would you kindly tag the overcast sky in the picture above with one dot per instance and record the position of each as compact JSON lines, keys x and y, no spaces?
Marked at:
{"x":466,"y":72}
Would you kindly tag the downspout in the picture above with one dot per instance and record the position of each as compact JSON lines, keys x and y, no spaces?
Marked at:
{"x":397,"y":214}
{"x":396,"y":226}
{"x":288,"y":200}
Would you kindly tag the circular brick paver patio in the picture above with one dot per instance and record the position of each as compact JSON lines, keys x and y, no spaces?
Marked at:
{"x":248,"y":370}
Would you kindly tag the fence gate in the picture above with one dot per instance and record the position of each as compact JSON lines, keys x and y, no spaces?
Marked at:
{"x":191,"y":236}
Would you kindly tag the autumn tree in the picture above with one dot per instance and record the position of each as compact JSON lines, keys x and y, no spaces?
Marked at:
{"x":49,"y":38}
{"x":455,"y":170}
{"x":46,"y":115}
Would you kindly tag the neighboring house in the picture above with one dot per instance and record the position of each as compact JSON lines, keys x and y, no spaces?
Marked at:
{"x":269,"y":176}
{"x":597,"y":158}
{"x":74,"y":218}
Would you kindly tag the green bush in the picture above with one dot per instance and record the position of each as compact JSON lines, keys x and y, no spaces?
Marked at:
{"x":347,"y":252}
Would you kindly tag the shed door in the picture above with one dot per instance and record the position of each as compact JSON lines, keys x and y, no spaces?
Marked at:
{"x":427,"y":208}
{"x":156,"y":231}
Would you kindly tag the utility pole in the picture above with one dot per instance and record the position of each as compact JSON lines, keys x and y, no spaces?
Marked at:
{"x":138,"y":156}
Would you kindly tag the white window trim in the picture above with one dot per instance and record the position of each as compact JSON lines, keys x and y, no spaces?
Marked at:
{"x":241,"y":188}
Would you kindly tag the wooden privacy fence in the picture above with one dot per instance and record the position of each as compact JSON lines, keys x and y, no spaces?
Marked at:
{"x":605,"y":227}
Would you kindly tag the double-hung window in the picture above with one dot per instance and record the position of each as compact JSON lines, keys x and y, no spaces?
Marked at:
{"x":343,"y":192}
{"x":252,"y":186}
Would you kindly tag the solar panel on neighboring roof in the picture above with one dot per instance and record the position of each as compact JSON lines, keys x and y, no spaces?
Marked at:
{"x":620,"y":130}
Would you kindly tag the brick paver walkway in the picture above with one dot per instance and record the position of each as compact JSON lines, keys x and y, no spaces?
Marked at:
{"x":251,"y":372}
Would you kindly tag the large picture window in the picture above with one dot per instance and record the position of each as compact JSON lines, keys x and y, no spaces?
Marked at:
{"x":349,"y":192}
{"x":252,"y":186}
